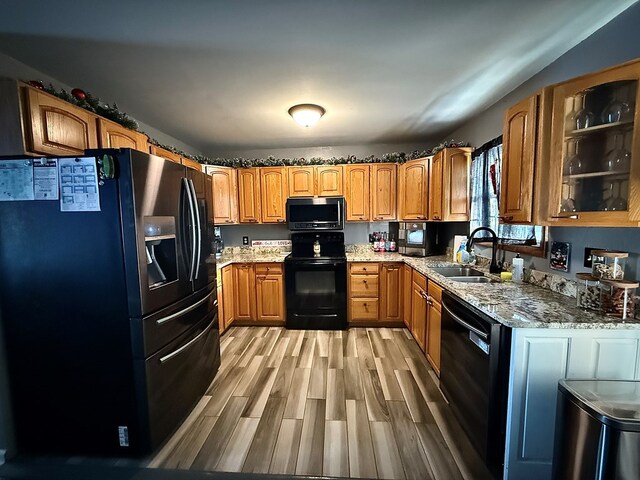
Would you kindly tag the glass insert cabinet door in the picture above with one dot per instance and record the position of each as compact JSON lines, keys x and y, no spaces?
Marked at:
{"x":594,"y":148}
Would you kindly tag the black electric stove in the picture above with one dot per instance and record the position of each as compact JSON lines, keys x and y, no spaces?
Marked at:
{"x":316,"y":281}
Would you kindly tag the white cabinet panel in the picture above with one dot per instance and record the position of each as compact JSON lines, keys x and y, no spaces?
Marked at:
{"x":539,"y":359}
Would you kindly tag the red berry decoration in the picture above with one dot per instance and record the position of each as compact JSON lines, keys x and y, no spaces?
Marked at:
{"x":79,"y":94}
{"x":36,"y":84}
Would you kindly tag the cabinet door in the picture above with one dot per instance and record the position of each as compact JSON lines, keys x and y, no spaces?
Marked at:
{"x":270,"y":297}
{"x":383,"y":191}
{"x":356,"y":192}
{"x":249,"y":195}
{"x":56,"y":127}
{"x":434,"y":334}
{"x":518,"y":156}
{"x":166,"y":154}
{"x":228,"y":288}
{"x":113,"y":135}
{"x":595,"y":148}
{"x":406,"y":295}
{"x":274,"y":185}
{"x":391,"y":292}
{"x":245,"y":292}
{"x":329,"y":180}
{"x":456,"y":168}
{"x":225,"y":195}
{"x":414,"y":189}
{"x":435,"y":186}
{"x":302,"y":181}
{"x":418,"y":314}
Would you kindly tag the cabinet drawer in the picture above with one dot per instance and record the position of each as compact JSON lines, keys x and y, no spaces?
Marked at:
{"x":364,"y":268}
{"x":420,"y":279}
{"x":268,"y":269}
{"x":435,"y":292}
{"x":364,"y":286}
{"x":364,"y":309}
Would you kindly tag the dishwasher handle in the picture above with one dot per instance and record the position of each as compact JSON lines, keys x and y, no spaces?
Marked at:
{"x":455,"y":317}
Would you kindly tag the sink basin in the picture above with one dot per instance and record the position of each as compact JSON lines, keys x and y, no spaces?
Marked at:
{"x":472,"y":279}
{"x":458,"y":272}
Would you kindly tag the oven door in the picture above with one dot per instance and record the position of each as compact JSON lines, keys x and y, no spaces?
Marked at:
{"x":316,"y":293}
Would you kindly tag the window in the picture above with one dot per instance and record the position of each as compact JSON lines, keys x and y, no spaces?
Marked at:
{"x":486,"y":174}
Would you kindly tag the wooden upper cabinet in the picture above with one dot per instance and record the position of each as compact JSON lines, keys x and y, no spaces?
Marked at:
{"x":414,"y":189}
{"x":356,"y":192}
{"x":302,"y":181}
{"x":225,"y":195}
{"x":113,"y":135}
{"x":435,"y":186}
{"x":55,"y":127}
{"x":329,"y":178}
{"x":187,"y":162}
{"x":518,"y":158}
{"x":249,"y":195}
{"x":456,"y":170}
{"x":391,"y":292}
{"x":166,"y":154}
{"x":274,"y":185}
{"x":383,"y":191}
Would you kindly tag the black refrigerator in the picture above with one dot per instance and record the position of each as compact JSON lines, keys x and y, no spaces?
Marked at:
{"x":110,"y":316}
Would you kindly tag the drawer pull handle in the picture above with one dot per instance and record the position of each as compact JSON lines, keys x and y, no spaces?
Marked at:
{"x":181,"y":312}
{"x":169,"y":356}
{"x":572,"y":217}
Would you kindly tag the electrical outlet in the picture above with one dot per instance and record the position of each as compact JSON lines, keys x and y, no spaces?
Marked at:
{"x":245,"y":240}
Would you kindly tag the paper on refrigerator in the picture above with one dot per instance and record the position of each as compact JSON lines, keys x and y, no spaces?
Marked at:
{"x":16,"y":180}
{"x":78,"y":185}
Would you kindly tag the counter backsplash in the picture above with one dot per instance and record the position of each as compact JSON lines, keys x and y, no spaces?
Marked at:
{"x":546,"y":280}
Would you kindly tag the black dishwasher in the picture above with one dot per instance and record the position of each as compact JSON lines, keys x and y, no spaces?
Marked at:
{"x":474,"y":376}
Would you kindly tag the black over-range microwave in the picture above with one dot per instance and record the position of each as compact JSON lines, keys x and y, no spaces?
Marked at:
{"x":315,"y":213}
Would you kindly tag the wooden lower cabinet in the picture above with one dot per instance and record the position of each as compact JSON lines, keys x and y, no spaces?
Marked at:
{"x":244,"y":292}
{"x":434,"y":325}
{"x":391,"y":292}
{"x":269,"y":292}
{"x":406,"y":295}
{"x":227,"y":298}
{"x":419,"y":308}
{"x":363,"y":286}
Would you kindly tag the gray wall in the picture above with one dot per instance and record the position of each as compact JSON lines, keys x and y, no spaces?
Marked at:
{"x":12,"y":68}
{"x":616,"y":42}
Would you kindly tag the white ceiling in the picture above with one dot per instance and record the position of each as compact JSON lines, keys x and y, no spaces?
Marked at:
{"x":220,"y":75}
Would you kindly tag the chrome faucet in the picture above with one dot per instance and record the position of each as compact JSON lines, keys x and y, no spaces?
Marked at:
{"x":493,"y":268}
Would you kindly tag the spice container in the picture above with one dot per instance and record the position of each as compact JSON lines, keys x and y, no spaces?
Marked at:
{"x":617,"y":298}
{"x":588,"y":292}
{"x":608,"y":264}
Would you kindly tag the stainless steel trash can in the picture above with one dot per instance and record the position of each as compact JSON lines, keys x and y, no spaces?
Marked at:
{"x":597,"y":430}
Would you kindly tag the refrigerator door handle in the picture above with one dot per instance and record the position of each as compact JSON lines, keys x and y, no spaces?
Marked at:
{"x":192,"y":214}
{"x":182,"y":312}
{"x":178,"y":351}
{"x":196,"y":263}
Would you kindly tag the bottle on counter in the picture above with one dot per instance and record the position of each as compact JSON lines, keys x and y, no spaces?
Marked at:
{"x":392,"y":244}
{"x":517,"y":269}
{"x":387,"y":243}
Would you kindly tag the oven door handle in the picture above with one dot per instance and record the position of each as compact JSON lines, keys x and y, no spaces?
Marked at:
{"x":478,"y":332}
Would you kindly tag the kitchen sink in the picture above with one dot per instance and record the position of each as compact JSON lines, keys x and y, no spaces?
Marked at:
{"x":458,"y":272}
{"x":471,"y":279}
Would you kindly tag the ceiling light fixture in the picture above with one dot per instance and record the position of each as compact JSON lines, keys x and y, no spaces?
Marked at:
{"x":306,"y":114}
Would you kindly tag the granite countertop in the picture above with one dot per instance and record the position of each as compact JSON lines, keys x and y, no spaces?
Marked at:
{"x":513,"y":305}
{"x":250,"y":258}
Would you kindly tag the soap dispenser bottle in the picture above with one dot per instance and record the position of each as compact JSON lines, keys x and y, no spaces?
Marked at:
{"x":517,"y":269}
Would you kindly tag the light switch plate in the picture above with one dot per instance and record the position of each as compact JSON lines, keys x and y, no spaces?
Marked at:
{"x":245,"y":240}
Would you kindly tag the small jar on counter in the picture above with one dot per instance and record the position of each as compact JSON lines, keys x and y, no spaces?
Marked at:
{"x":588,"y":292}
{"x":608,"y":264}
{"x":617,"y":298}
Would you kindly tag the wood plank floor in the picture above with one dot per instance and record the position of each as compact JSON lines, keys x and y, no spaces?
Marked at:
{"x":362,"y":403}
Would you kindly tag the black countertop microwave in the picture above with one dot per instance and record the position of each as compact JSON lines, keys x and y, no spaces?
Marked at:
{"x":315,"y":213}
